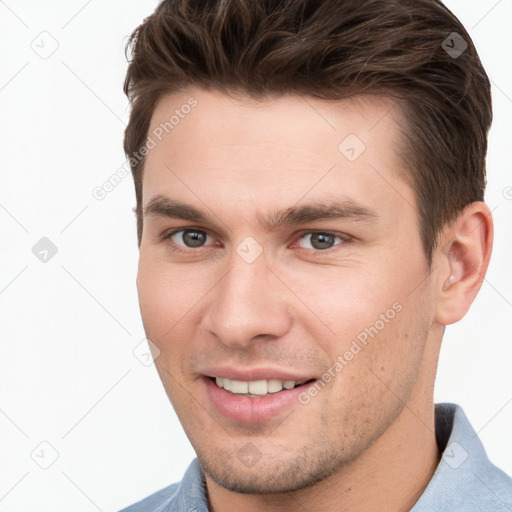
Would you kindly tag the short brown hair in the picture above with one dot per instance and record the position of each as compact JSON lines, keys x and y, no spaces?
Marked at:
{"x":330,"y":49}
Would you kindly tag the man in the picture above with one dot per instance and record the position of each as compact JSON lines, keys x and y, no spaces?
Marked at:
{"x":309,"y":180}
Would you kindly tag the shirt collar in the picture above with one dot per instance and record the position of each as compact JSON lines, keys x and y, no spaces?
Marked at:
{"x":465,"y":479}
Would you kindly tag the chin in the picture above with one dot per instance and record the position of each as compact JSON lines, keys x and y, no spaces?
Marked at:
{"x":271,"y":475}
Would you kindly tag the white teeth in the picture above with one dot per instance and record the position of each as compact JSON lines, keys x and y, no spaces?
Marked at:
{"x":258,"y":387}
{"x":255,"y":387}
{"x":239,"y":386}
{"x":274,"y":385}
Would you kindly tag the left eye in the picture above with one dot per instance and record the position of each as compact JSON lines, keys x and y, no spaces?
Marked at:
{"x":320,"y":241}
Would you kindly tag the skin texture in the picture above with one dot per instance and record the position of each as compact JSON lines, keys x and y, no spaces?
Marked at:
{"x":366,"y":440}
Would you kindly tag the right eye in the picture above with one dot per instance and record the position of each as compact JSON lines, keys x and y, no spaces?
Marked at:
{"x":189,"y":238}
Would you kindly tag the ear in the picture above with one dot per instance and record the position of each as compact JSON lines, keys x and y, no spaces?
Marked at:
{"x":462,"y":259}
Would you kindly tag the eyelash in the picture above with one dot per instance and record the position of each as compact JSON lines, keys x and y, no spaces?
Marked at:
{"x":314,"y":252}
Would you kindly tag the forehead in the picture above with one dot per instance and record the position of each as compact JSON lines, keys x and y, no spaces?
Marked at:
{"x":281,"y":148}
{"x":249,"y":120}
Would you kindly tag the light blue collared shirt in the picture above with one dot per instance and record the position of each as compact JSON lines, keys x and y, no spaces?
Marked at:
{"x":465,"y":479}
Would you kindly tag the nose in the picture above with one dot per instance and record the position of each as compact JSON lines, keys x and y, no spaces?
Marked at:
{"x":249,"y":303}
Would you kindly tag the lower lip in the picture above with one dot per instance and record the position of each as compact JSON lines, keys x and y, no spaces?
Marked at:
{"x":253,"y":410}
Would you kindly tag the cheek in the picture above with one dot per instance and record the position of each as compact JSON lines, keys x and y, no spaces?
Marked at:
{"x":387,"y":354}
{"x":346,"y":300}
{"x":377,"y":376}
{"x":375,"y":324}
{"x":166,"y":296}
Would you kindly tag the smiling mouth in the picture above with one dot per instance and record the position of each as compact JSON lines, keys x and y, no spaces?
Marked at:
{"x":257,"y":388}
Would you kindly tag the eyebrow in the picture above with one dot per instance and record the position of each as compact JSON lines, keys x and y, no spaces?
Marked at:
{"x":347,"y":209}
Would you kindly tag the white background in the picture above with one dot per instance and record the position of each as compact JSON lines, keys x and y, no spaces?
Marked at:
{"x":69,"y":326}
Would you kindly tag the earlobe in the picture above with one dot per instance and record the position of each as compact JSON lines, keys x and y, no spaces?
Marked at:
{"x":462,"y":262}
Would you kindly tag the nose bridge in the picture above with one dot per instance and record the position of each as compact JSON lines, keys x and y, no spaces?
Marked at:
{"x":247,"y":302}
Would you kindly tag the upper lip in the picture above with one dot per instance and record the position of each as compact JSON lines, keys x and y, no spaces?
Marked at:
{"x":255,"y":373}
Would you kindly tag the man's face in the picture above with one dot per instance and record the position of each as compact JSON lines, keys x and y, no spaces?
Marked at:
{"x":252,"y":292}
